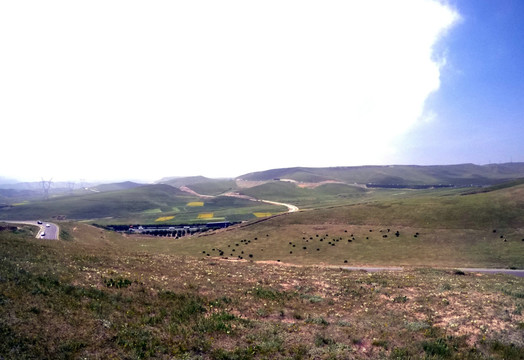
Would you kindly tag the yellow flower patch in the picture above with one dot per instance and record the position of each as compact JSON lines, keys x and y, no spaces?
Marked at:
{"x":262,"y":214}
{"x":21,"y":203}
{"x":195,"y":203}
{"x":205,"y":215}
{"x":165,"y":218}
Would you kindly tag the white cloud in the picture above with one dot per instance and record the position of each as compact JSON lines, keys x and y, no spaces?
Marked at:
{"x":212,"y":87}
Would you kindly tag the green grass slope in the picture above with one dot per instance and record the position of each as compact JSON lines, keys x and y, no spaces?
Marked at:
{"x":183,"y":181}
{"x":103,"y":204}
{"x":496,"y":209}
{"x":215,"y":187}
{"x":340,"y":190}
{"x":278,"y":191}
{"x":459,"y":175}
{"x":117,"y":186}
{"x":503,"y":185}
{"x":143,"y":204}
{"x":320,"y":196}
{"x":202,"y":185}
{"x":434,"y":229}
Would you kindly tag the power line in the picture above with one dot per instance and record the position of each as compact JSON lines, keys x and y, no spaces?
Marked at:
{"x":46,"y":185}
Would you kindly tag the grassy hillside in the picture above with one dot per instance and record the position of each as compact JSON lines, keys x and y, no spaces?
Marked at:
{"x":320,"y":196}
{"x":459,"y":175}
{"x":500,"y":186}
{"x":496,"y":209}
{"x":13,"y":196}
{"x":356,"y":245}
{"x":278,"y":191}
{"x":117,"y":186}
{"x":99,"y":205}
{"x":95,"y":296}
{"x":340,"y":190}
{"x":275,"y":288}
{"x":437,"y":229}
{"x":183,"y":181}
{"x":143,"y":204}
{"x":202,"y":185}
{"x":215,"y":187}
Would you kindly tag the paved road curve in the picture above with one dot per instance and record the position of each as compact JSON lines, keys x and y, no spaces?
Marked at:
{"x":519,"y":273}
{"x":48,"y":231}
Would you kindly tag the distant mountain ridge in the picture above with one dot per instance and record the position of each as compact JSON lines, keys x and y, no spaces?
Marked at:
{"x":117,"y":186}
{"x":456,"y":175}
{"x":184,"y":180}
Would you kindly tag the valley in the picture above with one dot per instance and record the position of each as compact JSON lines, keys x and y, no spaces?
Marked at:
{"x":352,"y":272}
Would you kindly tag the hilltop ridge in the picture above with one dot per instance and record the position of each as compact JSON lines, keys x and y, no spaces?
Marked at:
{"x":456,"y":175}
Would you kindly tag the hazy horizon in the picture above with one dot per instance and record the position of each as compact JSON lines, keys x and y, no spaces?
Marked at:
{"x":144,"y":180}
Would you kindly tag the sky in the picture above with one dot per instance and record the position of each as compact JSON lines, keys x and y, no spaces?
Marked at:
{"x":140,"y":90}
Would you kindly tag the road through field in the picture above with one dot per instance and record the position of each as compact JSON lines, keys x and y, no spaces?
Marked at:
{"x":47,"y":231}
{"x":290,"y":208}
{"x":519,"y":273}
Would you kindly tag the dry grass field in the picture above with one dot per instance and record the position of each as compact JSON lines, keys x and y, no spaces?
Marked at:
{"x":97,"y":294}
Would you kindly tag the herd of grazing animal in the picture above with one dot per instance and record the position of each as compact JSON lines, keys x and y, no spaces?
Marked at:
{"x":240,"y":249}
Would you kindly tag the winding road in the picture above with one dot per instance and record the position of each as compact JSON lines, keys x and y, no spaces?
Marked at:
{"x":519,"y":273}
{"x":290,"y":208}
{"x":47,"y":231}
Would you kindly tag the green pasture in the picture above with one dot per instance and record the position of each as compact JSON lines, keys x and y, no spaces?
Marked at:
{"x":436,"y":228}
{"x":459,"y":175}
{"x":142,"y":204}
{"x":354,"y":245}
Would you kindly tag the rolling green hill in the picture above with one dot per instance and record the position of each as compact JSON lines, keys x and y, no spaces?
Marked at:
{"x":277,"y":191}
{"x":458,"y":175}
{"x":102,"y":204}
{"x":435,"y":228}
{"x":202,"y":185}
{"x":439,"y":209}
{"x":116,"y":186}
{"x":216,"y":187}
{"x":184,"y":181}
{"x":10,"y":196}
{"x":142,"y":204}
{"x":322,"y":195}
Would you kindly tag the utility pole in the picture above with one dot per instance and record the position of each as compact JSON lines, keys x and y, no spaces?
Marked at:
{"x":46,"y":185}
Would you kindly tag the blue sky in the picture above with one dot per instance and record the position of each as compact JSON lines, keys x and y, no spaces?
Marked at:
{"x":115,"y":90}
{"x":480,"y":102}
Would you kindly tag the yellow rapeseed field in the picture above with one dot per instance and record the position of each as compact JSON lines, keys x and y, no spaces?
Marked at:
{"x":205,"y":215}
{"x":165,"y":218}
{"x":262,"y":214}
{"x":20,"y":203}
{"x":195,"y":203}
